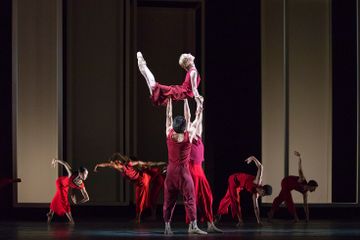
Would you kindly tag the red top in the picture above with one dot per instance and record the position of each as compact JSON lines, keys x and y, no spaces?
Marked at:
{"x":245,"y":181}
{"x":292,"y":183}
{"x":197,"y":151}
{"x":178,"y":152}
{"x":187,"y":82}
{"x":130,"y":172}
{"x":60,"y":203}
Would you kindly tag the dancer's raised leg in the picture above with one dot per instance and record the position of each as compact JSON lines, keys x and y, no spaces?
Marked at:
{"x":145,"y":71}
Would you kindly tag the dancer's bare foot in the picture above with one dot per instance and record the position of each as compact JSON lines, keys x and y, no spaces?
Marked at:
{"x":240,"y":223}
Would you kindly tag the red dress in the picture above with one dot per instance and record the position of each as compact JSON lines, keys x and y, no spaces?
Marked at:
{"x":287,"y":185}
{"x":142,"y":185}
{"x":203,"y":194}
{"x":60,"y":203}
{"x":157,"y":179}
{"x":161,"y":93}
{"x":178,"y":178}
{"x":236,"y":183}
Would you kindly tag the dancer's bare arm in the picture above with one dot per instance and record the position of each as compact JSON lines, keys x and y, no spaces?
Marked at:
{"x":306,"y":206}
{"x":169,"y":120}
{"x":195,"y":124}
{"x":65,"y":164}
{"x":259,"y":173}
{"x":193,"y":79}
{"x":301,"y":173}
{"x":187,"y":113}
{"x":84,"y":194}
{"x":255,"y":197}
{"x":103,"y":165}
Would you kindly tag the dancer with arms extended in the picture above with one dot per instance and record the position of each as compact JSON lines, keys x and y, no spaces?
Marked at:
{"x":297,"y":183}
{"x":203,"y":193}
{"x":160,"y":94}
{"x":134,"y":170}
{"x":180,"y":135}
{"x":243,"y":181}
{"x":74,"y":180}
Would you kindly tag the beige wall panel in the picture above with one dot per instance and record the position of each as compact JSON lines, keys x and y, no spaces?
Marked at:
{"x":37,"y":111}
{"x":273,"y":123}
{"x":310,"y":101}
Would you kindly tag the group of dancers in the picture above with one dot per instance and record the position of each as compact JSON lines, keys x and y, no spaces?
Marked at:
{"x":183,"y":173}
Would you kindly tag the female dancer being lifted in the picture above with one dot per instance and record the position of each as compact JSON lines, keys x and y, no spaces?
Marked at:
{"x":160,"y":94}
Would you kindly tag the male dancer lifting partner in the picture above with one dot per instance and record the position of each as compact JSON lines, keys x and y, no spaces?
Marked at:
{"x":297,"y":183}
{"x":203,"y":194}
{"x":134,"y":171}
{"x":236,"y":183}
{"x":160,"y":94}
{"x":178,"y":179}
{"x":74,"y":180}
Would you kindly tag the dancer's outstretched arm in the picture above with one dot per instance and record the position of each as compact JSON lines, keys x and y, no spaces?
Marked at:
{"x":193,"y":79}
{"x":169,"y":120}
{"x":65,"y":164}
{"x":187,"y":113}
{"x":103,"y":165}
{"x":301,"y":173}
{"x":259,"y":173}
{"x":195,"y":124}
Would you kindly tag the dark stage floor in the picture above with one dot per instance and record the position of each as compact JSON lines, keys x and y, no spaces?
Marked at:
{"x":115,"y":230}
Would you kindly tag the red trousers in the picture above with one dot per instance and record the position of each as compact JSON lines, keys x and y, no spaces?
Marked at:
{"x":142,"y":187}
{"x":203,"y":194}
{"x":231,"y":198}
{"x":284,"y":196}
{"x":178,"y":180}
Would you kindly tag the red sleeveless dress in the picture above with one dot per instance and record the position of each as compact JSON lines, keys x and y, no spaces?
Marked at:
{"x":203,"y":193}
{"x":60,"y":203}
{"x":161,"y":93}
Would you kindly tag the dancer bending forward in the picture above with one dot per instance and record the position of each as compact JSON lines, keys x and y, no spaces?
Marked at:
{"x":243,"y":181}
{"x":160,"y":94}
{"x":135,"y":172}
{"x":74,"y":180}
{"x":297,"y":183}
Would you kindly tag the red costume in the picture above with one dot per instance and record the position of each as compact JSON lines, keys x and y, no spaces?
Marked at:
{"x":287,"y":185}
{"x":178,"y":178}
{"x":161,"y":93}
{"x":156,"y":182}
{"x":236,"y":183}
{"x":60,"y":203}
{"x":203,"y":194}
{"x":142,"y":185}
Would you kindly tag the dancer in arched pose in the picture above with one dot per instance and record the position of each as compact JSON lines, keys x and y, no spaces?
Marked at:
{"x":297,"y":183}
{"x":134,"y":170}
{"x":161,"y":93}
{"x":203,"y":193}
{"x":74,"y":180}
{"x":180,"y":135}
{"x":243,"y":181}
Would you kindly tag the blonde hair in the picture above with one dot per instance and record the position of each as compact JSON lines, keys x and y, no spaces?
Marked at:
{"x":186,"y":59}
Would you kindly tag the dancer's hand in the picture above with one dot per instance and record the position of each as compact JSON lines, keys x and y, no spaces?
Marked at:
{"x":73,"y":199}
{"x":53,"y":162}
{"x":297,"y":153}
{"x":249,"y":159}
{"x":95,"y":168}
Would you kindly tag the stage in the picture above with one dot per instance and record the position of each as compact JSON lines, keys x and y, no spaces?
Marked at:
{"x":105,"y":229}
